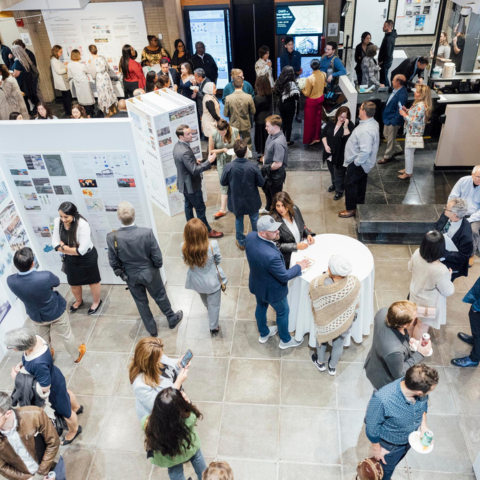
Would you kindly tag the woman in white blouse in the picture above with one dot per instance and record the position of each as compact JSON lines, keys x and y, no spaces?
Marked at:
{"x":444,"y":49}
{"x":71,"y":238}
{"x":77,"y":74}
{"x":264,"y":65}
{"x":60,"y":78}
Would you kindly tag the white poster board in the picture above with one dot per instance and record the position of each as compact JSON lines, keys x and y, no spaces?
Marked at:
{"x":416,"y":17}
{"x":109,"y":26}
{"x":95,"y":174}
{"x":155,"y":117}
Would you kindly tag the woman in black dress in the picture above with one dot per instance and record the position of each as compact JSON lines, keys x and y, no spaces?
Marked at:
{"x":334,"y":138}
{"x":263,"y":108}
{"x":71,"y":237}
{"x":288,"y":105}
{"x":360,"y":52}
{"x":180,"y":55}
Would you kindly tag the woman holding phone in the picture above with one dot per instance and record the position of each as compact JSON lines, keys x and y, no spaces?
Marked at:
{"x":151,"y":371}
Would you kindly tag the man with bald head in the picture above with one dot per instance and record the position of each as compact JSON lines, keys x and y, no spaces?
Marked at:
{"x":122,"y":110}
{"x":392,"y":120}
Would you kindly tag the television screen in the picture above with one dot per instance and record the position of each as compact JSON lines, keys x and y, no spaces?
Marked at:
{"x":300,"y":20}
{"x":307,"y":45}
{"x":305,"y":63}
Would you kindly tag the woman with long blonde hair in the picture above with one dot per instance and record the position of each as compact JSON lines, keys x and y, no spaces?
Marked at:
{"x":416,"y":117}
{"x":204,"y":275}
{"x":444,"y":49}
{"x":151,"y":371}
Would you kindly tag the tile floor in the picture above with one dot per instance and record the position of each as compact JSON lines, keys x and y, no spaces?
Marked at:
{"x":270,"y":414}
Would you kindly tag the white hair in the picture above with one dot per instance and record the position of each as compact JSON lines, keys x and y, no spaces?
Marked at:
{"x":475,"y":168}
{"x":5,"y":403}
{"x":460,"y":206}
{"x":21,"y":339}
{"x":126,"y":213}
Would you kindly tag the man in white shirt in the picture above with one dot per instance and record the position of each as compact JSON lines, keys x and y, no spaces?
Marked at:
{"x":466,"y":188}
{"x":22,"y":453}
{"x":360,"y":157}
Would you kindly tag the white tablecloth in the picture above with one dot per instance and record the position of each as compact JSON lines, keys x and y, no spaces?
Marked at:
{"x":301,"y":317}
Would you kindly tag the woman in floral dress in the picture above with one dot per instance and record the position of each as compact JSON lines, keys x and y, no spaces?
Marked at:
{"x":99,"y":69}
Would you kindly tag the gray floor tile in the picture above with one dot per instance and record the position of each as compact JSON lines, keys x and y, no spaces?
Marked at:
{"x":112,"y":465}
{"x":113,"y":334}
{"x":465,"y":384}
{"x":208,"y":428}
{"x":350,"y":473}
{"x":233,"y":270}
{"x":120,"y":302}
{"x":253,"y":381}
{"x":246,"y":344}
{"x":392,"y":275}
{"x":353,"y":388}
{"x":88,"y":299}
{"x":77,"y":461}
{"x":82,"y":326}
{"x":252,"y":469}
{"x":199,"y":339}
{"x":206,"y":379}
{"x":471,"y":428}
{"x":300,"y":440}
{"x":457,"y":311}
{"x":228,"y":305}
{"x":295,"y":471}
{"x":249,"y":431}
{"x":381,"y":252}
{"x":419,"y":475}
{"x":441,"y":401}
{"x":449,"y":345}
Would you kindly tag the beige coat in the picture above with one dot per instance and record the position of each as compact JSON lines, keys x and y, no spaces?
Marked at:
{"x":238,"y":107}
{"x":209,"y":124}
{"x":430,"y":286}
{"x":59,"y":73}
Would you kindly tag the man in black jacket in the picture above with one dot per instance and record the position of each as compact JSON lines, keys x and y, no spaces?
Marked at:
{"x":385,"y":55}
{"x":242,"y":178}
{"x":7,"y":55}
{"x":166,"y":71}
{"x":189,"y":178}
{"x":198,"y":94}
{"x":205,"y":61}
{"x":458,"y":237}
{"x":410,"y":68}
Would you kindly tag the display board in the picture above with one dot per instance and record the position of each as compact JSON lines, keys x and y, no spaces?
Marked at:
{"x":212,"y":27}
{"x":299,"y":19}
{"x":155,"y":117}
{"x":416,"y":17}
{"x":106,"y":25}
{"x":95,"y":174}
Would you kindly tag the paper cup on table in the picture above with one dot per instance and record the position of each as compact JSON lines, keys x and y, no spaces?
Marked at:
{"x":448,"y":70}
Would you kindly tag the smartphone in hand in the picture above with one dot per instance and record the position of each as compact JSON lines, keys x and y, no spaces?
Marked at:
{"x":186,"y":359}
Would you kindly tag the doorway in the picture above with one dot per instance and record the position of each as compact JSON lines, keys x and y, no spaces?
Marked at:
{"x":370,"y":15}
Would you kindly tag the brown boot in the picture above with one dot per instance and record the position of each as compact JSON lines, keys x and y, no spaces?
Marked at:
{"x":215,"y":234}
{"x":347,"y":213}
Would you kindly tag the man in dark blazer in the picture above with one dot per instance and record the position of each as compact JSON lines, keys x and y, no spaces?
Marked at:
{"x":205,"y":61}
{"x":122,"y":110}
{"x":242,"y":178}
{"x":166,"y":71}
{"x":392,"y":120}
{"x":410,"y":68}
{"x":198,"y":94}
{"x":45,"y":307}
{"x":390,"y":356}
{"x":189,"y":177}
{"x":456,"y":228}
{"x":135,"y":256}
{"x":269,"y":280}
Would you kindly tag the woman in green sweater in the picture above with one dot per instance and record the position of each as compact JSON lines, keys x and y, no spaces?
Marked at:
{"x":171,"y":438}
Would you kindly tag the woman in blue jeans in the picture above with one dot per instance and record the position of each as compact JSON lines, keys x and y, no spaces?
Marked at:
{"x":171,"y":438}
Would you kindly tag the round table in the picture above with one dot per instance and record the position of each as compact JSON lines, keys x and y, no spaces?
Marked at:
{"x":301,"y":316}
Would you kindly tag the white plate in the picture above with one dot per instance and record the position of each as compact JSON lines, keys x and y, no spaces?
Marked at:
{"x":230,"y":151}
{"x":415,"y":443}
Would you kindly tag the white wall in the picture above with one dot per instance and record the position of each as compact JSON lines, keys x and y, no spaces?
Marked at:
{"x":9,"y":32}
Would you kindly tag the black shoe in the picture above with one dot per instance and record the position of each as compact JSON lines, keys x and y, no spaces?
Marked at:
{"x":320,"y":366}
{"x":73,"y":309}
{"x":331,"y":188}
{"x":172,"y":325}
{"x":80,"y":410}
{"x":289,"y":144}
{"x":331,"y":370}
{"x":465,"y":338}
{"x":93,"y":312}
{"x":153,"y":334}
{"x":68,"y":442}
{"x":215,"y":332}
{"x":298,"y":119}
{"x":338,"y":196}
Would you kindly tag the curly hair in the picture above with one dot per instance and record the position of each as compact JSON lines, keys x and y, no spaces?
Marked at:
{"x":284,"y":80}
{"x":166,"y":431}
{"x":262,"y":86}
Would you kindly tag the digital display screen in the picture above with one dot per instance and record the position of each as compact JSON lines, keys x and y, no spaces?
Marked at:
{"x":305,"y":63}
{"x":306,"y":45}
{"x":299,"y":20}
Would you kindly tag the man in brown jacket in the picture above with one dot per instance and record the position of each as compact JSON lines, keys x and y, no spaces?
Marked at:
{"x":239,"y":107}
{"x":29,"y":444}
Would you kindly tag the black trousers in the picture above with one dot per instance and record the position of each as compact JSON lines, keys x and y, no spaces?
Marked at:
{"x":195,"y":201}
{"x":270,"y":192}
{"x":474,"y":318}
{"x":338,"y":177}
{"x":287,"y":111}
{"x":355,"y":186}
{"x":89,"y":109}
{"x":129,"y":88}
{"x":150,"y":280}
{"x":67,"y":102}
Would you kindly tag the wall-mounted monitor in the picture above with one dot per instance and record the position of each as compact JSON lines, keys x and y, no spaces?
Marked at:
{"x":305,"y":63}
{"x":307,"y":45}
{"x":299,"y":20}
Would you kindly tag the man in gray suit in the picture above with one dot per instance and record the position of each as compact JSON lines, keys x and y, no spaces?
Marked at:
{"x":135,"y":256}
{"x":189,"y":178}
{"x":391,"y":356}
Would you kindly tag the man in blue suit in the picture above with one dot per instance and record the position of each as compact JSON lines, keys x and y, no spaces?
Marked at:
{"x":392,"y":120}
{"x":269,"y":280}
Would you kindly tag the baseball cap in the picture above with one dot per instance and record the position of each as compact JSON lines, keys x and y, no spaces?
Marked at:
{"x":267,"y":224}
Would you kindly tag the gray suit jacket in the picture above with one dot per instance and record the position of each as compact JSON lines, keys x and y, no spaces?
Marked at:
{"x":189,"y":178}
{"x":390,"y":356}
{"x":138,"y":251}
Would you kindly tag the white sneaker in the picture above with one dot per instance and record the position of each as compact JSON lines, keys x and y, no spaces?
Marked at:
{"x":263,"y":211}
{"x":273,"y":331}
{"x":292,"y":343}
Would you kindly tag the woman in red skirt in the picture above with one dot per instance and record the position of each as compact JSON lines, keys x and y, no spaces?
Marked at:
{"x":314,"y":87}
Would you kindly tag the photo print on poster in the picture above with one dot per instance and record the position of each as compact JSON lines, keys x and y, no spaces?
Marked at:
{"x":43,"y":185}
{"x":87,"y":183}
{"x":54,"y":165}
{"x":34,"y":162}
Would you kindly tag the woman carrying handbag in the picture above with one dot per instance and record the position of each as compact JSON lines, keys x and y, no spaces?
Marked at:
{"x":204,"y":275}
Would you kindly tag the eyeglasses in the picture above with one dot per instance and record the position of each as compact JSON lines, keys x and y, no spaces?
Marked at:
{"x":447,"y":210}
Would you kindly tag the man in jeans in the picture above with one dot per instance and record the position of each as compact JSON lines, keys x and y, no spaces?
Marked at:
{"x":397,"y":410}
{"x":45,"y":306}
{"x":274,"y":161}
{"x":242,"y":178}
{"x":360,"y":157}
{"x":189,"y":177}
{"x":269,"y":280}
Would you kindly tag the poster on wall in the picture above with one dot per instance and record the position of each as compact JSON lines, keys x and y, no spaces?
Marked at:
{"x":416,"y":17}
{"x":104,"y":25}
{"x":95,"y":182}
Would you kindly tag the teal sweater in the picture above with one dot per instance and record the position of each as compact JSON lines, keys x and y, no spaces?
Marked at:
{"x":229,"y":89}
